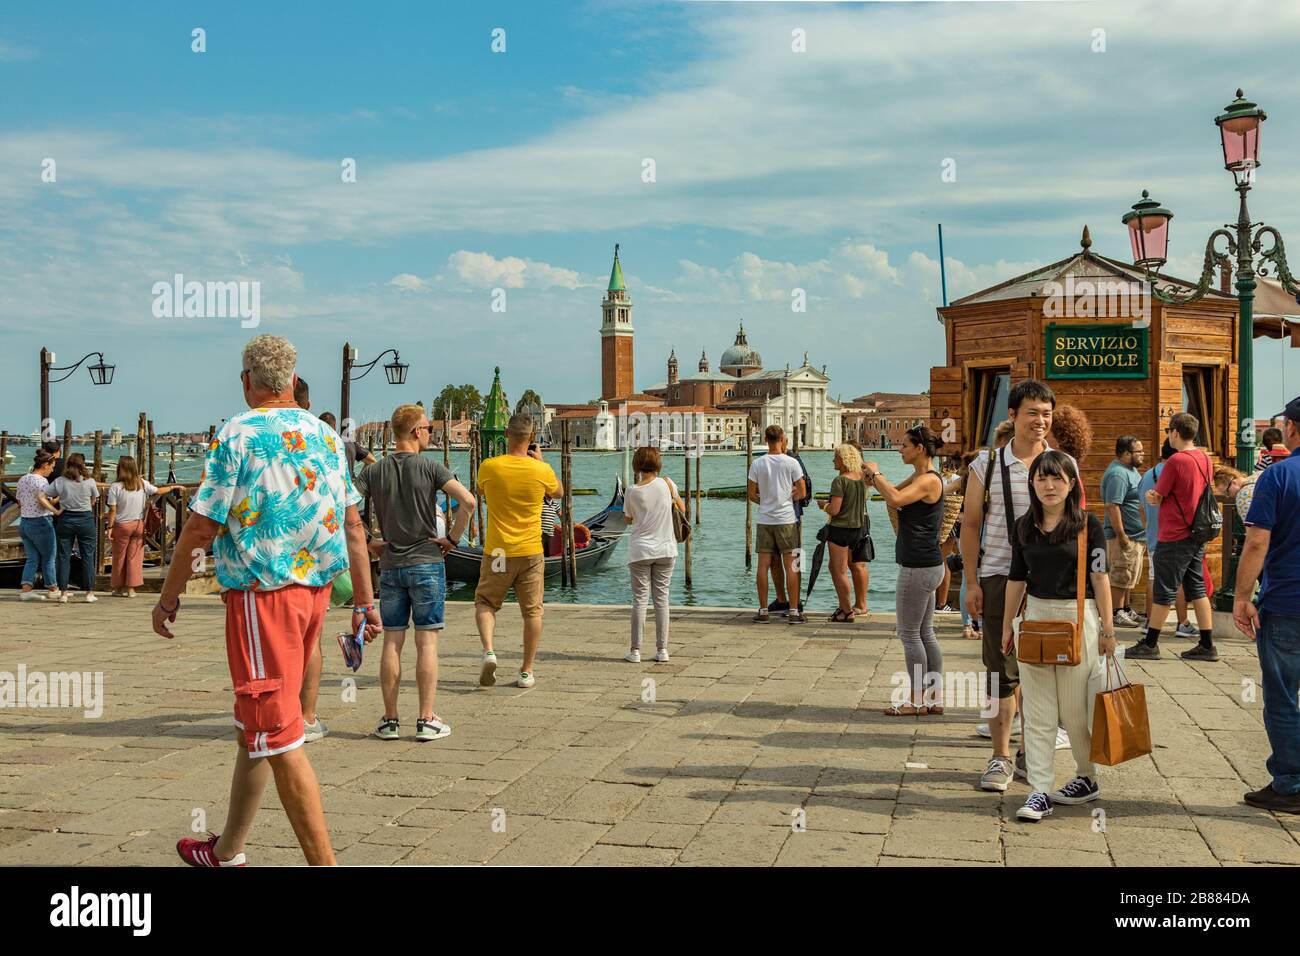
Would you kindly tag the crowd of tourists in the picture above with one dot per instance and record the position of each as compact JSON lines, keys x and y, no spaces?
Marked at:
{"x":278,"y":510}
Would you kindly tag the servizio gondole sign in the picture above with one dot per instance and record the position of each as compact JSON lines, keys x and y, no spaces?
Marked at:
{"x":1096,"y":351}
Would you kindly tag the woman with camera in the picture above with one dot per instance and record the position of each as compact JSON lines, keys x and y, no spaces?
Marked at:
{"x":1048,"y":544}
{"x":918,"y":498}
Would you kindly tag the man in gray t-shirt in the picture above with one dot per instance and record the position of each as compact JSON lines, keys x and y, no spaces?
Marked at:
{"x":403,"y":488}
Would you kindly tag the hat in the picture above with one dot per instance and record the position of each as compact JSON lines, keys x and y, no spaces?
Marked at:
{"x":1292,"y":410}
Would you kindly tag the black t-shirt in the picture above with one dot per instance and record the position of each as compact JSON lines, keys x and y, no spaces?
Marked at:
{"x":1051,"y":569}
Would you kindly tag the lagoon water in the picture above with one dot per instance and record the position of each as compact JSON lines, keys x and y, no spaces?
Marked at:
{"x":719,"y":577}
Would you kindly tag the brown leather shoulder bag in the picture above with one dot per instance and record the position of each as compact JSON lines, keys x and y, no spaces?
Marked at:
{"x":1057,"y":642}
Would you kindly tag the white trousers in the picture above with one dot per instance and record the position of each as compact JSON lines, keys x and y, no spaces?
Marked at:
{"x":1053,"y":695}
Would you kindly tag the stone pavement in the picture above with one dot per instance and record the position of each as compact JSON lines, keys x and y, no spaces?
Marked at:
{"x":714,"y":758}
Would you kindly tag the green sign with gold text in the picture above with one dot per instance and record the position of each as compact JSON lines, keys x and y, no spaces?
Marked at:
{"x":1096,"y":351}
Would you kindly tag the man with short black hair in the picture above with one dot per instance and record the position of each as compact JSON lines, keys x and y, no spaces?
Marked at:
{"x":1123,"y":525}
{"x":1273,"y":448}
{"x":773,"y":483}
{"x":989,"y":517}
{"x":300,"y":395}
{"x":1179,"y":559}
{"x":1272,"y":554}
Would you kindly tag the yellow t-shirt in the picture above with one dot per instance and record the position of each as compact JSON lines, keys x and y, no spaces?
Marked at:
{"x":513,"y":486}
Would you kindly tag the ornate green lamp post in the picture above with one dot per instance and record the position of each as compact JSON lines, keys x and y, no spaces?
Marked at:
{"x":1148,"y":225}
{"x":496,"y":414}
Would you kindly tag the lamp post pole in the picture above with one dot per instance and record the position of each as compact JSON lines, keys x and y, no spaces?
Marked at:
{"x":394,"y":371}
{"x":100,"y":374}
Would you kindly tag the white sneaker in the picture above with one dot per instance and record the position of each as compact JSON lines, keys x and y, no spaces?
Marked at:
{"x":632,"y":657}
{"x":525,"y":679}
{"x":90,"y":597}
{"x":32,"y":595}
{"x":62,"y":598}
{"x":487,"y":675}
{"x":1062,"y":739}
{"x":984,"y":730}
{"x":662,"y":656}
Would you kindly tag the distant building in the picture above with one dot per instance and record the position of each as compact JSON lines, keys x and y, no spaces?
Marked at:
{"x":115,"y":436}
{"x":880,"y":419}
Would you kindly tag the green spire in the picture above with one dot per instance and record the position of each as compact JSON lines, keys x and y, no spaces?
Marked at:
{"x":496,"y":414}
{"x":616,"y":274}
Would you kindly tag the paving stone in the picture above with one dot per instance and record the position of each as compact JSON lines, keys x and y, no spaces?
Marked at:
{"x":748,"y":725}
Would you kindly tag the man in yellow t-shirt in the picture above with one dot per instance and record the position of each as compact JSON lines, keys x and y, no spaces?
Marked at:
{"x":513,"y":486}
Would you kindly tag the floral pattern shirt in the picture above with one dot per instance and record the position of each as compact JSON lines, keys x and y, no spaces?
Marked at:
{"x":278,"y":482}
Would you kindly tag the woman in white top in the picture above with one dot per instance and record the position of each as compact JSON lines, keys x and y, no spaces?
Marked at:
{"x":76,"y":491}
{"x":127,"y":498}
{"x":651,"y":547}
{"x":37,"y":527}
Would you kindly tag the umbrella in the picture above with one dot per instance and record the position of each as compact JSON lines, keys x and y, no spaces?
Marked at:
{"x":818,"y":556}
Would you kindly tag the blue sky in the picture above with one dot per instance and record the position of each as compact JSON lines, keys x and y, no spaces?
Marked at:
{"x":520,"y":170}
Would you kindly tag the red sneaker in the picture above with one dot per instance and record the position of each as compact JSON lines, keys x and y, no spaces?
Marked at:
{"x":203,"y":852}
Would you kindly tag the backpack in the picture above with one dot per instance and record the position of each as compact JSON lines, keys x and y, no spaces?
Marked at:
{"x":807,"y":484}
{"x":1207,"y":522}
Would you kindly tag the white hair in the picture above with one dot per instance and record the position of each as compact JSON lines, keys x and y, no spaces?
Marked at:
{"x":270,"y":361}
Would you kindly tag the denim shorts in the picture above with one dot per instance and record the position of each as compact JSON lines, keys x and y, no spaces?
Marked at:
{"x":415,"y":593}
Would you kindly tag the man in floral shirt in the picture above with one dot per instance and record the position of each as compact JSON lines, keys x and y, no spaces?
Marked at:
{"x":278,"y":509}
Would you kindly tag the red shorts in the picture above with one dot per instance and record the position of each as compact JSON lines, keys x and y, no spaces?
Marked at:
{"x":269,"y":637}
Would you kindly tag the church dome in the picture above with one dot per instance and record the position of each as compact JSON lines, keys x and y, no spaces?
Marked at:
{"x":740,"y":355}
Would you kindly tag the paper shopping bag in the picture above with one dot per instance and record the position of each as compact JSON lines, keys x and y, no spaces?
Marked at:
{"x":1120,"y":729}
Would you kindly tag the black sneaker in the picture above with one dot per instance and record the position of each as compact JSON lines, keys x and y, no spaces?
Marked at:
{"x":1038,"y":805}
{"x":1200,"y":653}
{"x":1078,"y":790}
{"x":779,"y":607}
{"x":1142,"y":651}
{"x":1270,"y":799}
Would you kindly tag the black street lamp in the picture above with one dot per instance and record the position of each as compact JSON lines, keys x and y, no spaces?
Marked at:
{"x":394,"y":371}
{"x":1148,"y":225}
{"x":100,"y":374}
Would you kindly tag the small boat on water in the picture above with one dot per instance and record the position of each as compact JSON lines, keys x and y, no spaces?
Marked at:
{"x":606,"y":527}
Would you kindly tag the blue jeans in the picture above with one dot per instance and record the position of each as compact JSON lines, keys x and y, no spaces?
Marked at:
{"x":413,"y":593}
{"x":39,"y":543}
{"x":78,"y":526}
{"x":1278,"y":643}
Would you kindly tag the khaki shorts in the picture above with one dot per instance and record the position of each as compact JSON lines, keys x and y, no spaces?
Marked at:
{"x":525,"y":574}
{"x":1002,"y":667}
{"x":777,"y":538}
{"x":1125,"y":563}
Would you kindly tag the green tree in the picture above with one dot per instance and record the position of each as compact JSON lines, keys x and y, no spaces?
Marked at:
{"x":457,"y":401}
{"x":528,"y":398}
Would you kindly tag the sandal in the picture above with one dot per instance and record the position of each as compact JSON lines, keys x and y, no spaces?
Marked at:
{"x":970,"y":633}
{"x":934,"y":710}
{"x":841,"y":617}
{"x":906,"y":709}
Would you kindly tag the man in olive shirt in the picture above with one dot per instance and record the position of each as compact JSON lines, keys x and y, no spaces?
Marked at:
{"x":403,"y":488}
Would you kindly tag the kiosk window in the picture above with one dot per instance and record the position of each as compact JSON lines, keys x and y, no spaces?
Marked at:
{"x":992,"y":387}
{"x":1201,"y":397}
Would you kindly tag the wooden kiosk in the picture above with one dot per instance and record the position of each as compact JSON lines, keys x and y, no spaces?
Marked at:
{"x":1087,"y":326}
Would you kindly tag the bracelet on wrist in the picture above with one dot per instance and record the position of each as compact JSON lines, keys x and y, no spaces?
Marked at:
{"x":169,"y":610}
{"x":362,"y":610}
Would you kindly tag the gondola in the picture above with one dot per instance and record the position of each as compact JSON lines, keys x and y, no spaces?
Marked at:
{"x":606,"y":527}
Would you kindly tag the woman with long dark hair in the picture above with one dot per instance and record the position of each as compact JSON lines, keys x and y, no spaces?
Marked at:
{"x":1044,"y":561}
{"x":918,"y":498}
{"x":36,"y":527}
{"x":77,"y":492}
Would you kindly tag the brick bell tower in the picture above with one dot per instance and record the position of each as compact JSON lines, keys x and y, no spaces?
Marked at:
{"x":616,"y":338}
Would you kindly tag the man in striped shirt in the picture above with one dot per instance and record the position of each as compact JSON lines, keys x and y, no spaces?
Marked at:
{"x":988,"y":519}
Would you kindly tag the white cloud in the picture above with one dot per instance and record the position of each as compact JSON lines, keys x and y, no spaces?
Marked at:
{"x":408,"y":283}
{"x":483,"y":270}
